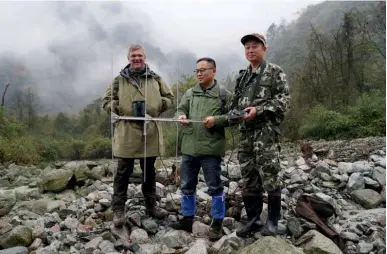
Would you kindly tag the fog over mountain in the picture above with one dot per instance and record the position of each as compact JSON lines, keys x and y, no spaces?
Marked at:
{"x":68,"y":52}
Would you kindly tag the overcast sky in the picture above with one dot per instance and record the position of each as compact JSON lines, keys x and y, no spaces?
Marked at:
{"x":67,"y":46}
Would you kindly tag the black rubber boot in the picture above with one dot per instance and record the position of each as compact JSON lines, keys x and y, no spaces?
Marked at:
{"x":185,"y":224}
{"x":216,"y":230}
{"x":253,"y":206}
{"x":274,"y":212}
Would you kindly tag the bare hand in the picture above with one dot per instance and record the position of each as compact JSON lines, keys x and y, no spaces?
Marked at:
{"x":182,"y":120}
{"x":209,"y":121}
{"x":251,"y":113}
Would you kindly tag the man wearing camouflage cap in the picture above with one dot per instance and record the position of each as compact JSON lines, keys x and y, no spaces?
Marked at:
{"x":262,"y":92}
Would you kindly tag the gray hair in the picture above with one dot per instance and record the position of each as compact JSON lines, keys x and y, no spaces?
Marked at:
{"x":134,"y":47}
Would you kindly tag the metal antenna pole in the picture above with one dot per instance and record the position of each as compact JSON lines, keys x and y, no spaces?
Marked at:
{"x":177,"y":104}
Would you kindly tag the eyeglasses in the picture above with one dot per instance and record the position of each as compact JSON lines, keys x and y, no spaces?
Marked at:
{"x":202,"y":70}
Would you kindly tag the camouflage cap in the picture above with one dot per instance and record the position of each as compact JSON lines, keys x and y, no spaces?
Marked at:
{"x":254,"y":36}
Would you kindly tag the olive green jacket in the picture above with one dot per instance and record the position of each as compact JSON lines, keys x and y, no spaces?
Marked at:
{"x":198,"y":140}
{"x":128,"y":140}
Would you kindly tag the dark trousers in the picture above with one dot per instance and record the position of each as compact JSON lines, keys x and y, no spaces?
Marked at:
{"x":190,"y":168}
{"x":121,"y":180}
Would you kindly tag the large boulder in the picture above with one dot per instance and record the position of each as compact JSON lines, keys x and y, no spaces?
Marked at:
{"x":7,"y":201}
{"x":56,"y":180}
{"x":314,"y":242}
{"x":18,"y":236}
{"x":271,"y":245}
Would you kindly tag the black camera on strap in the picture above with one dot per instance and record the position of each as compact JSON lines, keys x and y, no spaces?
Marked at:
{"x":138,"y":108}
{"x":236,"y":116}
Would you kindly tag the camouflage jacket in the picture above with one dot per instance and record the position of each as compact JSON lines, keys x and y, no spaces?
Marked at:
{"x":271,"y":95}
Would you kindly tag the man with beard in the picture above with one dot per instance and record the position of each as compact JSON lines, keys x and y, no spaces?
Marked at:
{"x":262,"y":92}
{"x":126,"y":97}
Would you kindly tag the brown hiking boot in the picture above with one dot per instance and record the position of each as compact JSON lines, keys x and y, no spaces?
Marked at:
{"x":119,"y":218}
{"x":153,"y":210}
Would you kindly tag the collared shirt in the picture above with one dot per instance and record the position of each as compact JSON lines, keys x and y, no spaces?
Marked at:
{"x":249,"y":68}
{"x":209,"y":88}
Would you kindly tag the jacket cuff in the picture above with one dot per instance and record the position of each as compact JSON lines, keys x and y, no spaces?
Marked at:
{"x":221,"y":120}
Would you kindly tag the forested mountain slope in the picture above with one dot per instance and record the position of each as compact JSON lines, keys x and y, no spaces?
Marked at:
{"x":334,"y":58}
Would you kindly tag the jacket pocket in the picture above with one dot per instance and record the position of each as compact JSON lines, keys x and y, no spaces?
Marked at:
{"x":187,"y":130}
{"x":263,"y":91}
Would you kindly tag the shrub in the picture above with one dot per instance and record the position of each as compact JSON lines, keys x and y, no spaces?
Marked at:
{"x":96,"y":148}
{"x":21,"y":150}
{"x":322,"y":123}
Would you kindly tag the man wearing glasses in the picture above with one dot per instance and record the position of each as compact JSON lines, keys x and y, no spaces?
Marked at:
{"x":203,"y":145}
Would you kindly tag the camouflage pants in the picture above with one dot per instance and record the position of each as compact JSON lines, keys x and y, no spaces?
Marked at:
{"x":258,"y":156}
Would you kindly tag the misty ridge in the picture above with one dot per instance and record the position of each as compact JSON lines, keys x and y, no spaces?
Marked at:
{"x":85,"y":48}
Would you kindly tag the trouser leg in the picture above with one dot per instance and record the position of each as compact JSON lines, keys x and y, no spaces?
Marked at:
{"x":149,"y":183}
{"x":212,"y":172}
{"x":120,"y":183}
{"x":267,"y":156}
{"x":189,"y":178}
{"x":149,"y":187}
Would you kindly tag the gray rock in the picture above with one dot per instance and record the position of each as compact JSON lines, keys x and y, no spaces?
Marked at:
{"x":105,"y":202}
{"x":345,"y":167}
{"x":350,"y":236}
{"x":361,"y":166}
{"x":70,"y":223}
{"x":15,"y":250}
{"x":199,"y":247}
{"x":379,"y":174}
{"x":176,"y":239}
{"x":315,"y":242}
{"x":160,"y":189}
{"x":150,"y":225}
{"x":355,"y":182}
{"x":200,"y":229}
{"x":367,"y":198}
{"x":342,"y":178}
{"x":294,"y":226}
{"x":139,"y":235}
{"x":25,"y":193}
{"x":325,"y":176}
{"x":270,"y":245}
{"x":56,"y":180}
{"x":372,"y":183}
{"x":93,"y":244}
{"x":149,"y":248}
{"x":364,"y":248}
{"x":229,"y":223}
{"x":7,"y":201}
{"x":234,"y":172}
{"x":323,"y":167}
{"x":55,"y":205}
{"x":18,"y":236}
{"x":106,"y":246}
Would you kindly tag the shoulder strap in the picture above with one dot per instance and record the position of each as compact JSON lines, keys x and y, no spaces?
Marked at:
{"x":223,"y":97}
{"x":258,"y":78}
{"x":222,"y":93}
{"x":188,"y":93}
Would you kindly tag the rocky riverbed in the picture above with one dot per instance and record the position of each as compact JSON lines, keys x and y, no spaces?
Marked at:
{"x":66,"y":207}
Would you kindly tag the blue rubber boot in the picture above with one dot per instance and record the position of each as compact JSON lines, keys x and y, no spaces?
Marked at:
{"x":188,"y":210}
{"x":218,"y":211}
